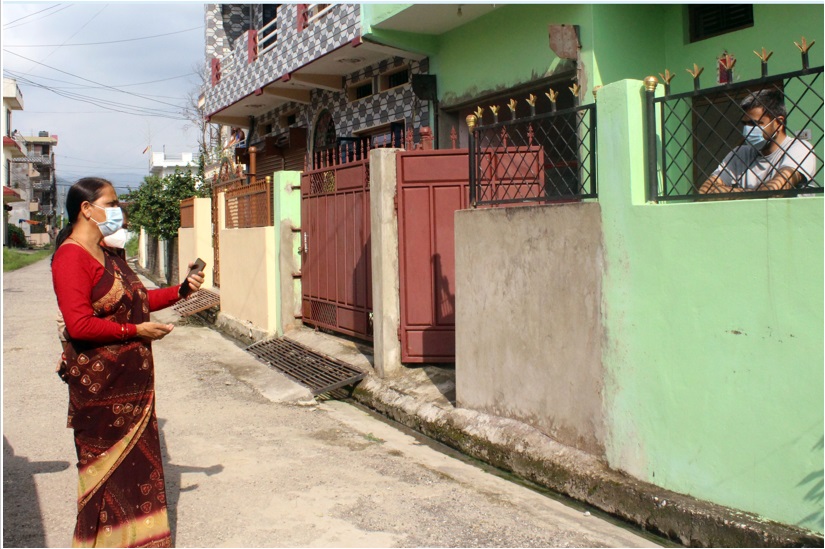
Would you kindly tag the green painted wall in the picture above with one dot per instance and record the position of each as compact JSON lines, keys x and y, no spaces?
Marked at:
{"x":287,"y":211}
{"x":714,"y":349}
{"x":775,"y":27}
{"x":712,"y":311}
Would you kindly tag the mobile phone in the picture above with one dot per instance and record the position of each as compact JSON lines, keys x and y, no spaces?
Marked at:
{"x":185,"y":289}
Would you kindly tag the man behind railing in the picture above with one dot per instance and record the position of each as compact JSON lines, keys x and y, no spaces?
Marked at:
{"x":769,"y":159}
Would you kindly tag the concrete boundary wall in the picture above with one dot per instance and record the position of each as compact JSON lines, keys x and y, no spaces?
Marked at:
{"x":528,"y":329}
{"x":196,"y":241}
{"x":248,"y":276}
{"x":386,"y":301}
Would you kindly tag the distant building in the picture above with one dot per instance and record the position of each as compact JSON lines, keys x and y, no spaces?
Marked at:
{"x":13,"y":147}
{"x":162,"y":164}
{"x":33,"y":177}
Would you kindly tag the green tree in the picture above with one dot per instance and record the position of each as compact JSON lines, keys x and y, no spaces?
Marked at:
{"x":155,"y":205}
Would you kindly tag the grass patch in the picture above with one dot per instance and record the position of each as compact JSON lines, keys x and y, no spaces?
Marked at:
{"x":14,"y":259}
{"x":373,"y":438}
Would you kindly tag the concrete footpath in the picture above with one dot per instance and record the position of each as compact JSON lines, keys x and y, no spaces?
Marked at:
{"x":423,"y":399}
{"x":252,"y":460}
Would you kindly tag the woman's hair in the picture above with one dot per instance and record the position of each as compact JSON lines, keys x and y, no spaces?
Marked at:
{"x":87,"y":189}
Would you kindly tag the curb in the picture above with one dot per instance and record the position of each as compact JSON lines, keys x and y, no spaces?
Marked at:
{"x":518,"y":448}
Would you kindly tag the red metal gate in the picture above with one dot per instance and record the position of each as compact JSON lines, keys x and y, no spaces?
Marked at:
{"x":432,"y":185}
{"x":336,"y":272}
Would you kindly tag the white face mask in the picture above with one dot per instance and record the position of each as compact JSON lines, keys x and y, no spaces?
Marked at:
{"x":117,"y":239}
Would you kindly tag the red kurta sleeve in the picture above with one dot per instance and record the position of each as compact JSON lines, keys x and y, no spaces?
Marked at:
{"x":74,"y":275}
{"x":163,"y":297}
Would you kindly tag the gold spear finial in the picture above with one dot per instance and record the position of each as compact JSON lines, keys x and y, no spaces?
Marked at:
{"x":805,"y":46}
{"x":512,"y":105}
{"x":667,"y":76}
{"x":531,"y":100}
{"x":596,"y":90}
{"x":728,"y":61}
{"x":575,"y":89}
{"x":764,"y":56}
{"x":494,"y":108}
{"x":552,"y":95}
{"x":697,"y":70}
{"x":479,"y":112}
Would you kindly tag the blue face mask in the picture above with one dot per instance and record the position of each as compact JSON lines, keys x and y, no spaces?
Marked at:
{"x":755,"y":136}
{"x":114,"y":220}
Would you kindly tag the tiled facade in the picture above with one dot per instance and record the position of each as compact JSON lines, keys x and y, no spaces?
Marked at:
{"x":338,"y":28}
{"x":226,"y":31}
{"x":394,"y":105}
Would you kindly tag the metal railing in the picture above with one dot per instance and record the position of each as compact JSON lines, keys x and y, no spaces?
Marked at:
{"x":316,"y":12}
{"x":700,"y":150}
{"x":268,"y":37}
{"x":250,"y":205}
{"x":539,"y":158}
{"x":355,"y":149}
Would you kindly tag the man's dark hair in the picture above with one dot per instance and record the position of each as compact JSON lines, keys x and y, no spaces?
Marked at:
{"x":771,"y":100}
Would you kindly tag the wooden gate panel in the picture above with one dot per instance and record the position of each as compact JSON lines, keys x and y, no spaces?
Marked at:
{"x":432,"y":185}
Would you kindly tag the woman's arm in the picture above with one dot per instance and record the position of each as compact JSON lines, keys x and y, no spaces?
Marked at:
{"x":74,"y":274}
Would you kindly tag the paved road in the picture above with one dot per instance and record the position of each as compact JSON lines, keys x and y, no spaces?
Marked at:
{"x":244,"y":471}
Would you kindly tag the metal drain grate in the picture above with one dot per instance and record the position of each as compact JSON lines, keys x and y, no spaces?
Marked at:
{"x":197,"y":302}
{"x":318,"y":372}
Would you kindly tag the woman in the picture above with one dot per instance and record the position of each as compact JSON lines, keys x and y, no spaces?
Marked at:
{"x":108,"y":366}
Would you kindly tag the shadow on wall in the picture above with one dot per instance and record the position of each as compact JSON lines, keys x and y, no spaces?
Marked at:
{"x":22,"y":517}
{"x":815,"y":493}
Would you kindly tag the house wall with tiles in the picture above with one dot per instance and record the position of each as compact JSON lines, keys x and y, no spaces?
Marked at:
{"x":295,"y":49}
{"x":393,"y":105}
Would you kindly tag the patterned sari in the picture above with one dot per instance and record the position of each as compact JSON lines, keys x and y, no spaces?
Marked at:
{"x":121,"y":492}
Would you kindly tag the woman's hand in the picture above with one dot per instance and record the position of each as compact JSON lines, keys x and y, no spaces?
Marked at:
{"x":153,"y":330}
{"x":195,"y":280}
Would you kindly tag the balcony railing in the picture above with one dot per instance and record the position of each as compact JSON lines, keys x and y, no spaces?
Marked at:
{"x":539,"y":158}
{"x":268,"y":37}
{"x":317,"y":11}
{"x":702,"y":149}
{"x":34,"y":159}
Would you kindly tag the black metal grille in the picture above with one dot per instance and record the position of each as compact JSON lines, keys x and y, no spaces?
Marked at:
{"x":324,"y":313}
{"x":197,"y":302}
{"x":320,"y":373}
{"x":699,"y":129}
{"x":535,"y":159}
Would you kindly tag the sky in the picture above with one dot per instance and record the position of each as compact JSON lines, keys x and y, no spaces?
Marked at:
{"x":106,"y":102}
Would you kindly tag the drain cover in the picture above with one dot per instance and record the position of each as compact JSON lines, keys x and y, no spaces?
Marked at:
{"x":197,"y":302}
{"x":318,"y":372}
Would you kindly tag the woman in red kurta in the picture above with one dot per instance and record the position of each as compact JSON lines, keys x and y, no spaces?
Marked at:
{"x":107,"y":364}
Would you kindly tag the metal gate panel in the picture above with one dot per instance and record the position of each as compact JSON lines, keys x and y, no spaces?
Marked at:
{"x":432,"y":185}
{"x":335,"y":249}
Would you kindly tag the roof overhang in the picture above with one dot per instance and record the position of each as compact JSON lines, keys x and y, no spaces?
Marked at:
{"x":12,"y":148}
{"x":434,"y":19}
{"x":324,"y":73}
{"x":10,"y":195}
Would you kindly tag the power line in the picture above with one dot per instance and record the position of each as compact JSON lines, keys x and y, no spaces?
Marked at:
{"x":92,"y":18}
{"x":12,"y":73}
{"x":87,"y":80}
{"x":8,"y":25}
{"x":101,"y":43}
{"x":111,"y":105}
